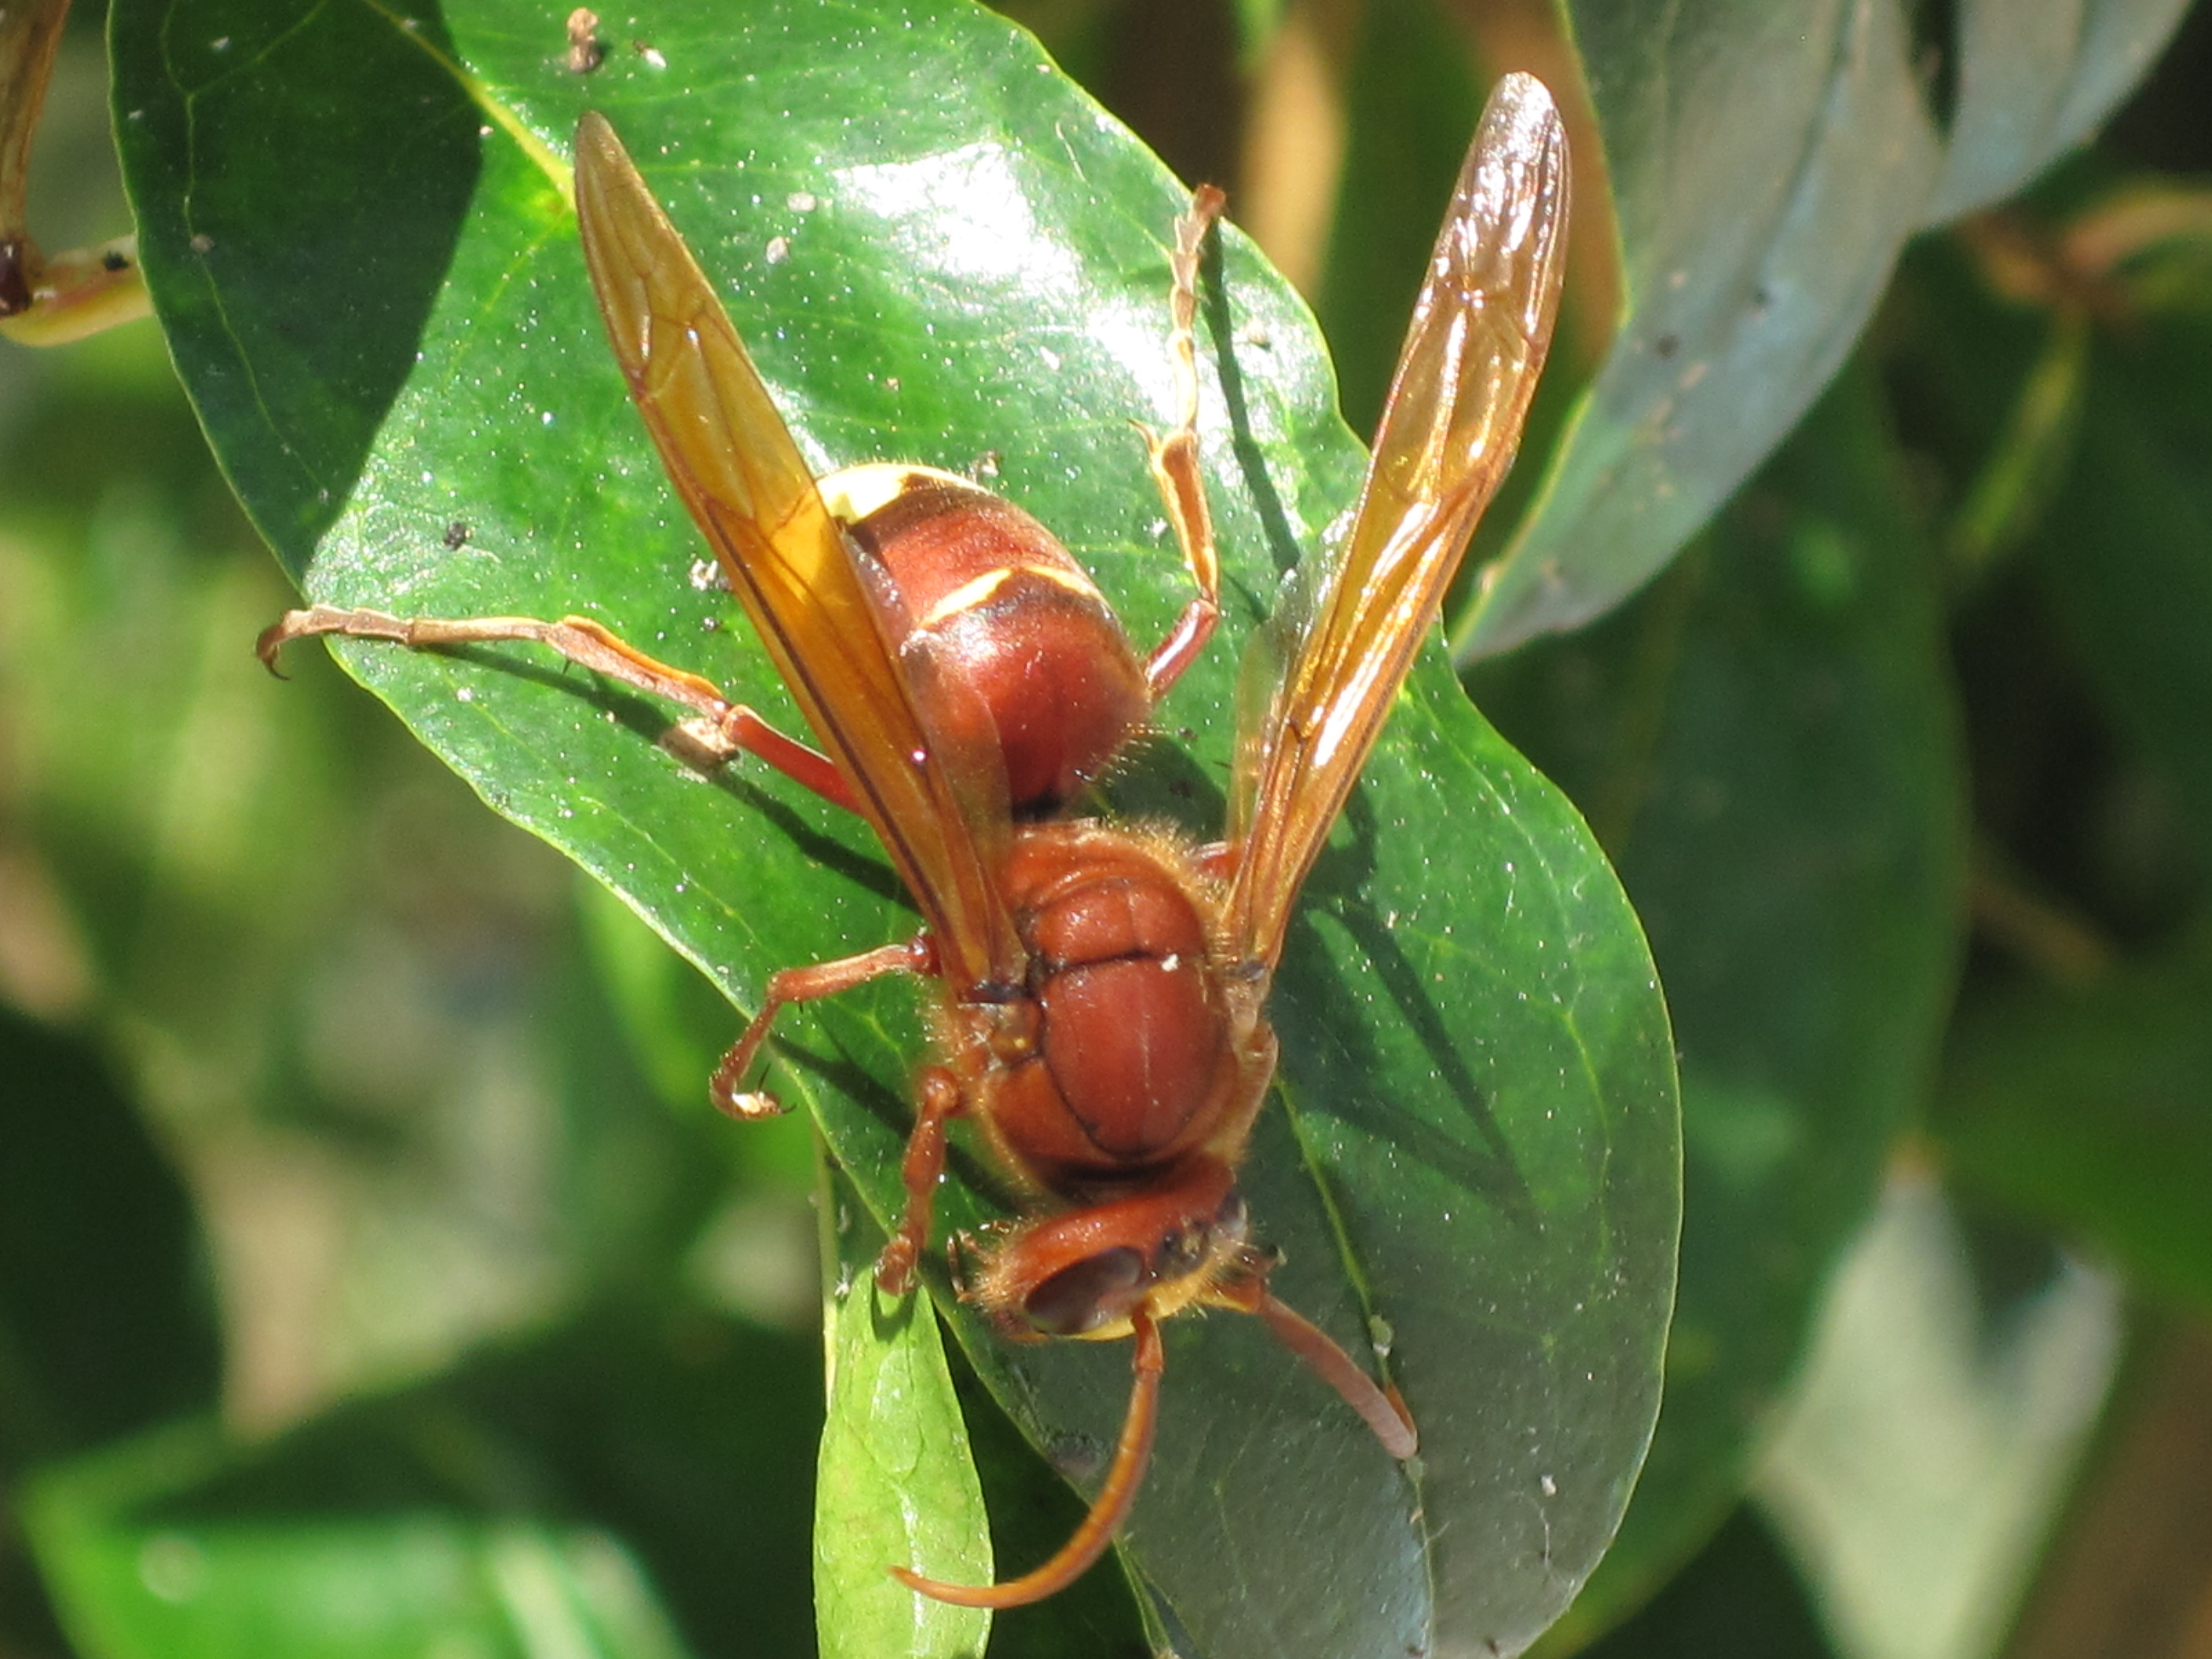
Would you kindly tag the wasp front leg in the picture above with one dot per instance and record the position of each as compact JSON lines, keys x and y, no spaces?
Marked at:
{"x":718,"y":731}
{"x":937,"y":1095}
{"x":938,"y":1101}
{"x":1175,"y":459}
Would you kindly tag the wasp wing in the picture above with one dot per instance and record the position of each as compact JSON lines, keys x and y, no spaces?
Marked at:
{"x":1449,"y":427}
{"x":734,"y":463}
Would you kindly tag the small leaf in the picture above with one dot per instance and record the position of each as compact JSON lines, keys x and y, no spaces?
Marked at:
{"x":1932,"y":1439}
{"x":896,"y":1487}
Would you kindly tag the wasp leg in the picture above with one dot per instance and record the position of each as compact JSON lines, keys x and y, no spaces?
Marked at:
{"x":1175,"y":458}
{"x":937,"y":1102}
{"x":789,"y":985}
{"x":718,"y":732}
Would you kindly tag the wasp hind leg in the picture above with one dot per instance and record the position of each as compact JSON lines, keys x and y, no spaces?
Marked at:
{"x":1175,"y":459}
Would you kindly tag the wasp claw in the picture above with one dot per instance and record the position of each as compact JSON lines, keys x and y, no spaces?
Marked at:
{"x":748,"y":1105}
{"x":895,"y":1267}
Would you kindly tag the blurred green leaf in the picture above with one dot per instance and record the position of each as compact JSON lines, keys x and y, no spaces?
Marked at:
{"x":1765,"y":166}
{"x":2091,"y":1110}
{"x":1951,"y":1385}
{"x":106,"y":1325}
{"x":2031,"y":80}
{"x":1737,"y":1599}
{"x":1766,"y":743}
{"x":1411,"y":102}
{"x":545,"y":1500}
{"x":1258,"y":22}
{"x":2056,"y":435}
{"x":941,"y":281}
{"x":2121,"y":552}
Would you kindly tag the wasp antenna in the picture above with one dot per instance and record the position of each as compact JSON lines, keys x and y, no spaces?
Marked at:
{"x":1384,"y":1412}
{"x":1115,"y":1499}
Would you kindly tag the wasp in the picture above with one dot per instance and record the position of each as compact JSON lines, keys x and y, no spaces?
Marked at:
{"x":1098,"y":989}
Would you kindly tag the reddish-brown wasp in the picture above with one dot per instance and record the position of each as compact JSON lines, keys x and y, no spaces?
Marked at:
{"x":1098,"y":1012}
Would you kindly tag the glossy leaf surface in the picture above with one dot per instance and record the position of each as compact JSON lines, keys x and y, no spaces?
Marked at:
{"x":1481,"y":1151}
{"x":1766,"y":741}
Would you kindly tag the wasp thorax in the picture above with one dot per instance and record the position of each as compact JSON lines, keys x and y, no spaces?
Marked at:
{"x":994,"y":601}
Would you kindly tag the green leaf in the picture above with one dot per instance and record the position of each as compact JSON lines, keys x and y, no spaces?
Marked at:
{"x":1480,"y":1159}
{"x":1766,"y":742}
{"x":542,"y":1501}
{"x":1953,"y":1382}
{"x":1412,"y":98}
{"x":2121,"y":553}
{"x":1737,"y":1599}
{"x":106,"y":1326}
{"x":2034,"y":79}
{"x":897,"y":1486}
{"x":1765,"y":166}
{"x":2091,"y":1110}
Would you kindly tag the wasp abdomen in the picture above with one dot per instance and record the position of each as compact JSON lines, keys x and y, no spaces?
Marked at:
{"x":995,"y":601}
{"x":1132,"y":1055}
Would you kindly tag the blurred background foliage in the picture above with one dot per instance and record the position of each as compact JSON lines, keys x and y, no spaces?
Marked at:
{"x":336,"y":1112}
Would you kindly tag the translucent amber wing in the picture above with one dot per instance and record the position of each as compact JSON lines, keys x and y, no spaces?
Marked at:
{"x":1448,"y":431}
{"x":734,"y":463}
